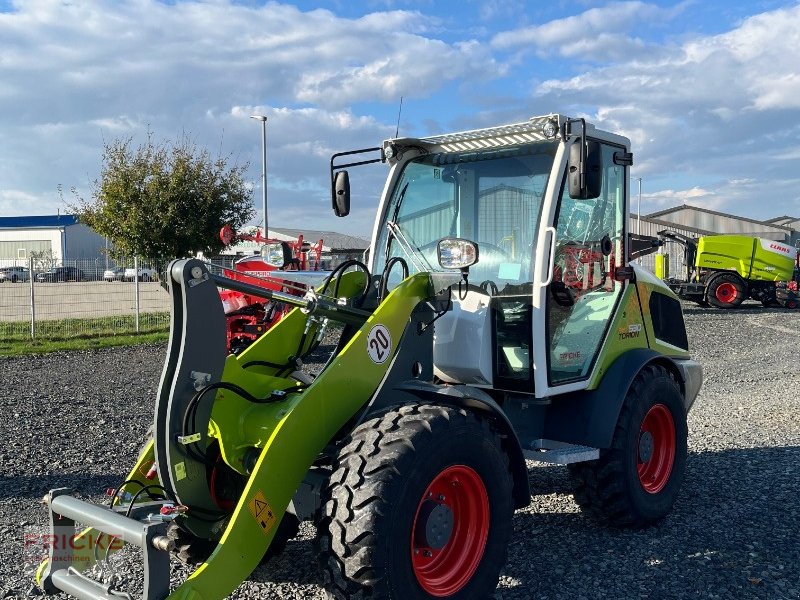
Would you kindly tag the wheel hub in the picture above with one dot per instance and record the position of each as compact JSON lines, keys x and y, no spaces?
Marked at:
{"x":657,"y":448}
{"x":449,"y":531}
{"x":726,"y":292}
{"x":434,"y":525}
{"x":645,"y":446}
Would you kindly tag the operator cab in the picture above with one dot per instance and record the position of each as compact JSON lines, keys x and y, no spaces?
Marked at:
{"x":545,"y":203}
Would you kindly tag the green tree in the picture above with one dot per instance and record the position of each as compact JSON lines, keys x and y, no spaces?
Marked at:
{"x":164,"y":200}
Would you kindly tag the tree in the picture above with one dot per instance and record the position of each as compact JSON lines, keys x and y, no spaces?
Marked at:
{"x":163,"y":201}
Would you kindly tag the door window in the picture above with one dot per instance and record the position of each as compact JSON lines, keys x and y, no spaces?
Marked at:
{"x":583,"y":292}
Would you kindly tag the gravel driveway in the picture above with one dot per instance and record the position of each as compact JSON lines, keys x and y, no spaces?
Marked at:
{"x":75,"y":419}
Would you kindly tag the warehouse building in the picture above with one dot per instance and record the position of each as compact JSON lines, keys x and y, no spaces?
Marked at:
{"x":53,"y":237}
{"x":694,"y":222}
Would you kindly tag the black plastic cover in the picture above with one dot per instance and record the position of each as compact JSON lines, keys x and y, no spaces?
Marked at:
{"x":667,"y":316}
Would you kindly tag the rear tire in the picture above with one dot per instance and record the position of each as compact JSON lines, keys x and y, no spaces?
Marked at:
{"x":726,"y":290}
{"x":636,"y":481}
{"x":419,"y":506}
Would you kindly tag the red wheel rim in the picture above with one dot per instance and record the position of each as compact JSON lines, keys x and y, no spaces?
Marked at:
{"x":656,"y":449}
{"x":725,"y":292}
{"x":444,"y":571}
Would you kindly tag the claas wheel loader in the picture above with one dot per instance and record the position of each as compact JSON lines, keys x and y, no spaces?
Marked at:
{"x":498,"y":320}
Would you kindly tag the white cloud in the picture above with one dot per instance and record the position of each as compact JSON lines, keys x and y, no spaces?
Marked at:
{"x":696,"y":196}
{"x":75,"y":75}
{"x":594,"y":35}
{"x":712,"y":109}
{"x":701,"y":112}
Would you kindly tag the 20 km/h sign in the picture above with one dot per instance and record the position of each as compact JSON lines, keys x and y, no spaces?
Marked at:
{"x":379,"y":344}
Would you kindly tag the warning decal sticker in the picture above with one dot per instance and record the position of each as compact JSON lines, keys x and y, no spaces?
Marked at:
{"x":262,"y":511}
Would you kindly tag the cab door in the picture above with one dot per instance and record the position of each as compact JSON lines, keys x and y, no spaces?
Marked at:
{"x":586,"y":245}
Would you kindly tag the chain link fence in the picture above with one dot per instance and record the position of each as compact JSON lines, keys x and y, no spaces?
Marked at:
{"x":58,"y":299}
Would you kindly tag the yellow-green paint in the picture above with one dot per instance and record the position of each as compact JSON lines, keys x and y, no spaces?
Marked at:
{"x":662,"y":266}
{"x":645,"y":289}
{"x":291,"y":434}
{"x":626,"y":332}
{"x":752,"y":258}
{"x":297,"y":431}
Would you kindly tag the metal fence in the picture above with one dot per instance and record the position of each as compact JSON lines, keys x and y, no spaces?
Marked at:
{"x":55,"y":299}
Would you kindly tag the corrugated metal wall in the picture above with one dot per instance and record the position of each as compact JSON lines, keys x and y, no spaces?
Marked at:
{"x":719,"y":223}
{"x":83,"y":243}
{"x":677,"y":267}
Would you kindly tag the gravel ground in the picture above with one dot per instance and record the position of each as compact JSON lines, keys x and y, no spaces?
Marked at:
{"x":76,"y":419}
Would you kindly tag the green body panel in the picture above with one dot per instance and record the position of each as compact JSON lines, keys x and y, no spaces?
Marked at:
{"x":632,"y":326}
{"x":626,"y":332}
{"x":238,"y":424}
{"x":752,"y":258}
{"x":293,"y":433}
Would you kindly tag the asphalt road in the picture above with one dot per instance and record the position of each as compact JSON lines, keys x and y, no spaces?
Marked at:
{"x":85,"y":299}
{"x":76,"y":419}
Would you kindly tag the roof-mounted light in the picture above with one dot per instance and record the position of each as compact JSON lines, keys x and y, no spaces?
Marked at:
{"x":550,"y":128}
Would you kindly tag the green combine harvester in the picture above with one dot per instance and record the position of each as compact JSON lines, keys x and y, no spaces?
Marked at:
{"x":725,"y":270}
{"x":499,"y":319}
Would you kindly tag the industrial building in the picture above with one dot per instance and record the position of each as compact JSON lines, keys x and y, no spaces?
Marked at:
{"x":55,"y":238}
{"x":694,"y":222}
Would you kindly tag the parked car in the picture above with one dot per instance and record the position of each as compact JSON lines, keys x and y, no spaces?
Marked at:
{"x":14,"y":274}
{"x":113,"y":274}
{"x":61,"y":274}
{"x":145,"y":274}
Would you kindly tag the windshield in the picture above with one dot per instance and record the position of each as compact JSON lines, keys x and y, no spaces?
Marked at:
{"x":492,"y":197}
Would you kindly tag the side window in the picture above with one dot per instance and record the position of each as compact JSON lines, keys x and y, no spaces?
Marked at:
{"x":583,"y":292}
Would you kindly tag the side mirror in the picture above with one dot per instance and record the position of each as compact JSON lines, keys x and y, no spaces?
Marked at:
{"x":341,"y":194}
{"x":277,"y":254}
{"x":585,"y":172}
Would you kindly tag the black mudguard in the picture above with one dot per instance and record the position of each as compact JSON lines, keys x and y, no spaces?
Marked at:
{"x":588,"y":418}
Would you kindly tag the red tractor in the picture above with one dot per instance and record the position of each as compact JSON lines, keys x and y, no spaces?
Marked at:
{"x":248,"y":317}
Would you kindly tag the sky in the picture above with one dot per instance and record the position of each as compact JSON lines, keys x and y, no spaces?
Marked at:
{"x":708,"y":91}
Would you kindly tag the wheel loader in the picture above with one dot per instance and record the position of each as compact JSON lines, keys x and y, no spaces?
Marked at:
{"x":498,"y":320}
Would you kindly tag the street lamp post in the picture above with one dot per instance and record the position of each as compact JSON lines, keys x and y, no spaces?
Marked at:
{"x":263,"y":120}
{"x":639,"y":207}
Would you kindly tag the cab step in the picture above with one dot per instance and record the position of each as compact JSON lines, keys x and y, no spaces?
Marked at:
{"x":559,"y":453}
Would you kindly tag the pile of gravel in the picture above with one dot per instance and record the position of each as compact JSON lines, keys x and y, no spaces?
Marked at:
{"x":76,"y":420}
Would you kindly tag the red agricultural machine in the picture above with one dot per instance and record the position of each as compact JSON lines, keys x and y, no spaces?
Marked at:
{"x":248,"y":317}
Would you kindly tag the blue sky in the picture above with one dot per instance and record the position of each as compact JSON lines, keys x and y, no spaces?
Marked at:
{"x":707,"y":90}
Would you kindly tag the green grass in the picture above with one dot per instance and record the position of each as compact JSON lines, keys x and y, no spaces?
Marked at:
{"x":82,"y":334}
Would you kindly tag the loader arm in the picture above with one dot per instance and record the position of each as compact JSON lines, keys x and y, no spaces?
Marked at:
{"x":286,"y":435}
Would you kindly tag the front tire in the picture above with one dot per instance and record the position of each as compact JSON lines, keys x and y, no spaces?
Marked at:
{"x":636,"y":481}
{"x":419,"y":506}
